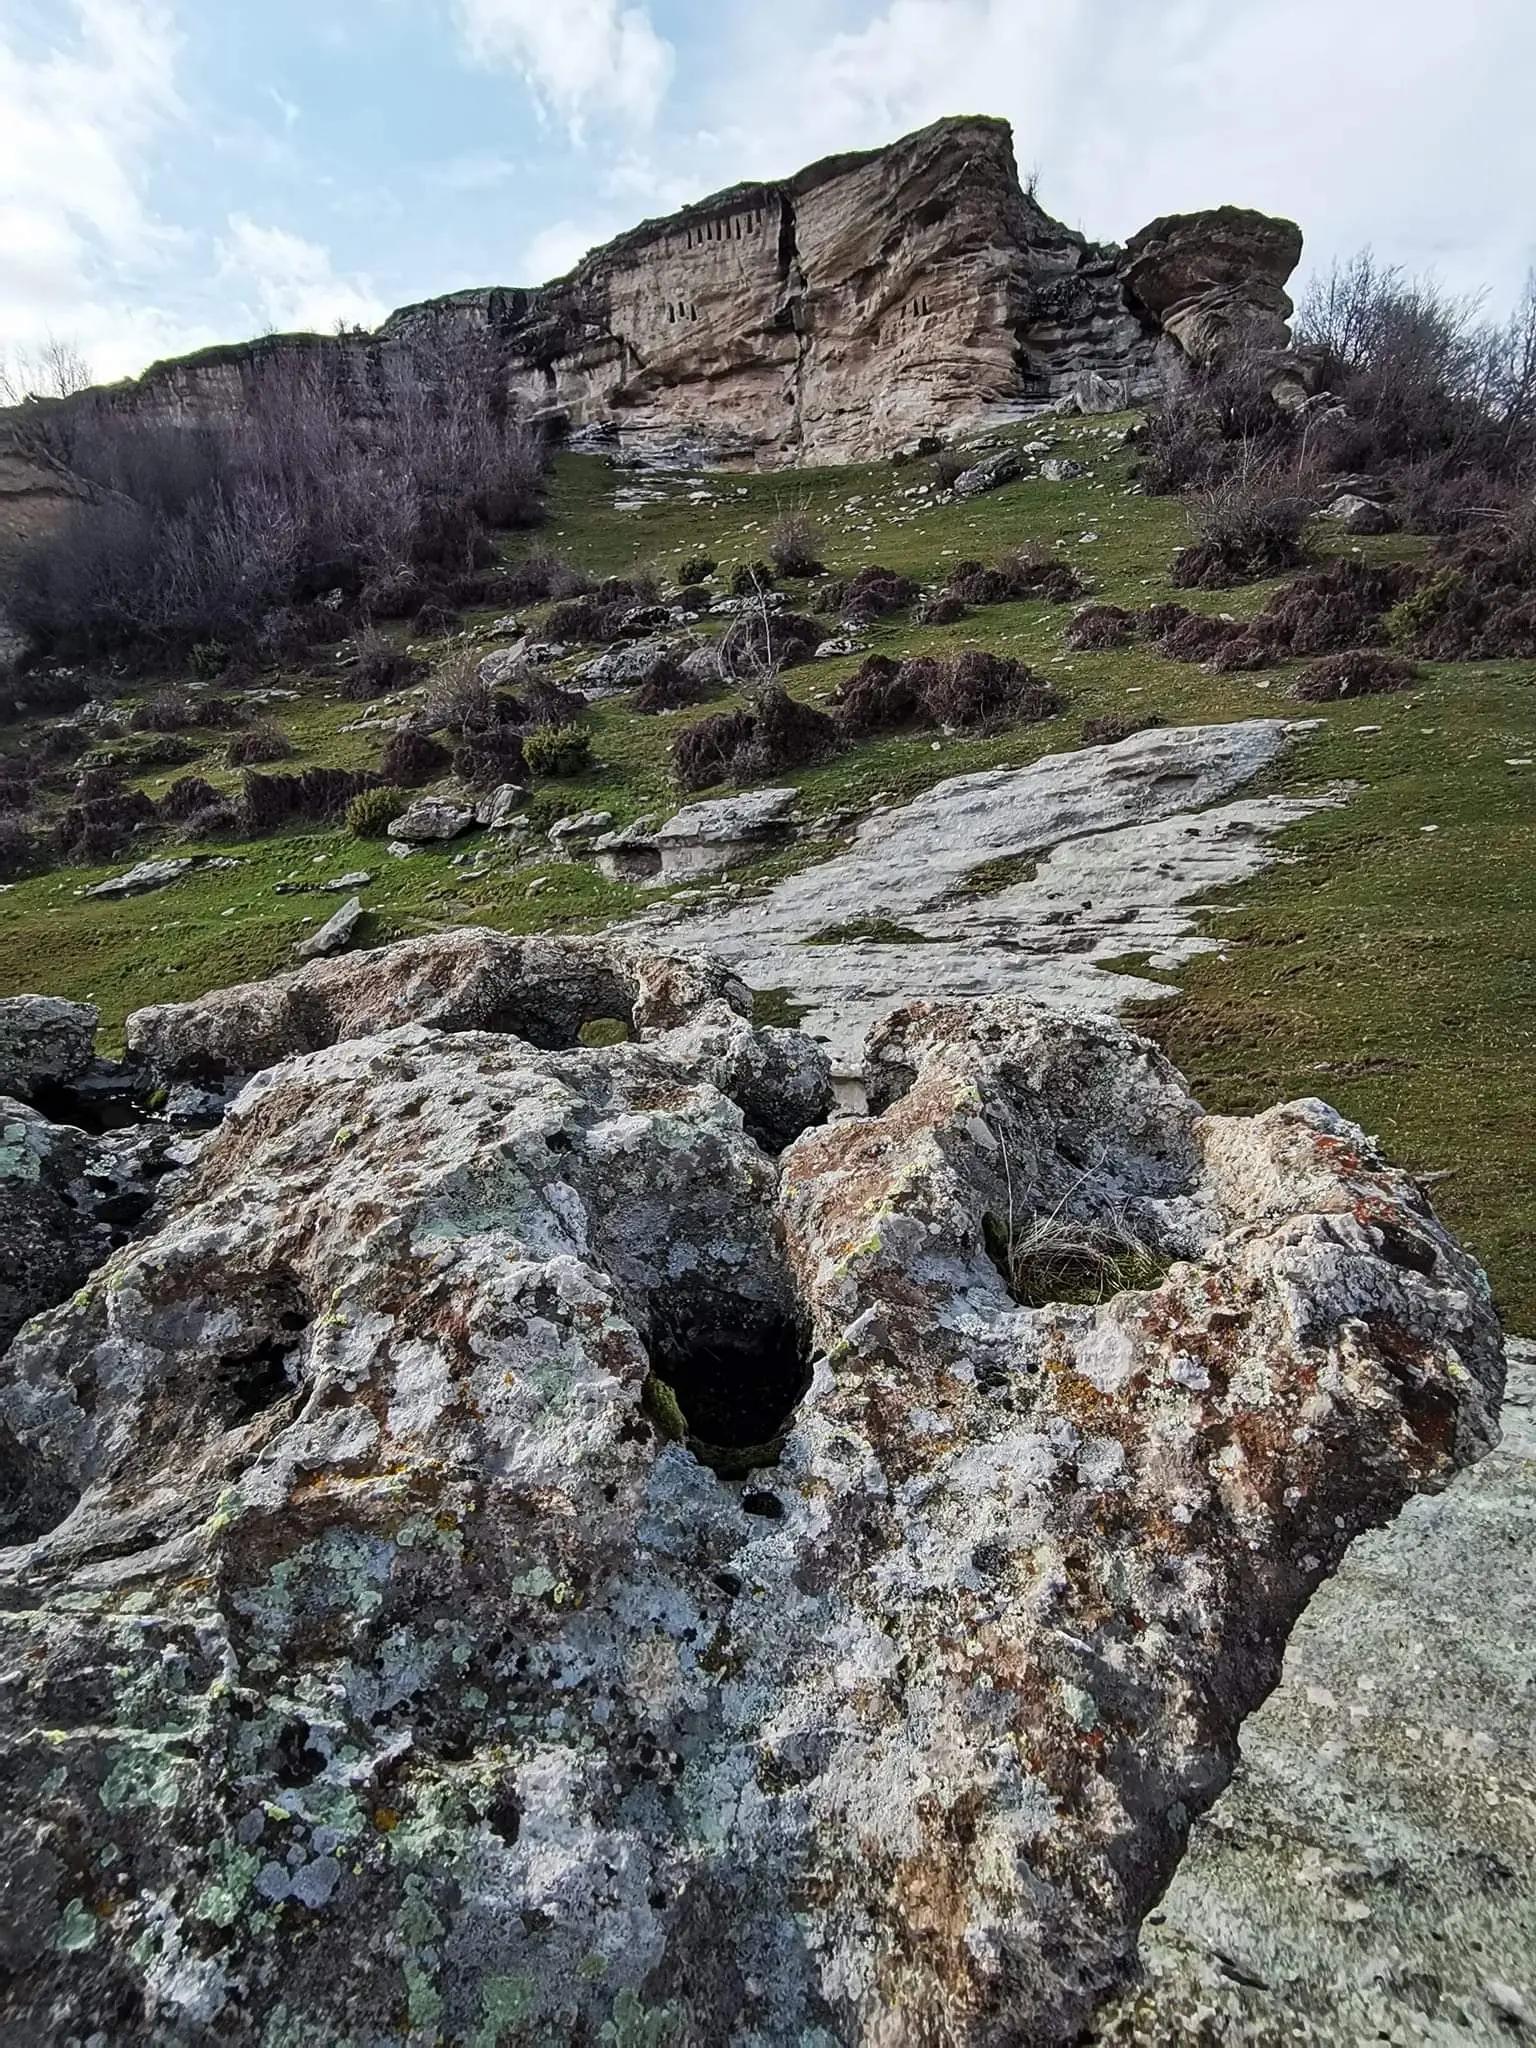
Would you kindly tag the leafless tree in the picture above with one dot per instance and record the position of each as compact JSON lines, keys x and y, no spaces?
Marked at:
{"x":54,"y":369}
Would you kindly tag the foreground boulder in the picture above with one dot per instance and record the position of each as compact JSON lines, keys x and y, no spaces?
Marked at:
{"x":543,"y":990}
{"x":508,"y":1562}
{"x":45,"y":1042}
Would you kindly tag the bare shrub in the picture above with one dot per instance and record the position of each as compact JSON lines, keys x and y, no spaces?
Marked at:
{"x":977,"y":692}
{"x":693,"y":597}
{"x":1019,"y":573}
{"x":461,"y":702}
{"x":412,"y":758}
{"x":1098,"y":627}
{"x":392,"y":594}
{"x":22,"y":848}
{"x":697,"y":569}
{"x":1198,"y":637}
{"x":585,"y":620}
{"x":795,"y":545}
{"x":187,"y":795}
{"x":874,"y":593}
{"x":1361,"y":673}
{"x":941,"y":609}
{"x":1338,"y":607}
{"x":489,"y":759}
{"x":1479,"y":602}
{"x":435,"y":621}
{"x":772,"y":734}
{"x":881,"y":695}
{"x":949,"y":465}
{"x":748,"y":579}
{"x":264,"y":742}
{"x":669,"y":687}
{"x":270,"y":802}
{"x":201,"y":531}
{"x":181,"y":711}
{"x":1247,"y":526}
{"x":380,"y":667}
{"x":540,"y":700}
{"x":761,"y":642}
{"x":544,"y":579}
{"x":102,"y":825}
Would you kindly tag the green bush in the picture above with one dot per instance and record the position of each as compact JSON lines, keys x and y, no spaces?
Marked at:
{"x":557,"y":750}
{"x":209,"y":658}
{"x":1423,"y":609}
{"x":368,"y":815}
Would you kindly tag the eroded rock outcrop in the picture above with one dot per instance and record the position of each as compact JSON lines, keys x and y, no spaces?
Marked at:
{"x":508,"y":1560}
{"x":866,"y":302}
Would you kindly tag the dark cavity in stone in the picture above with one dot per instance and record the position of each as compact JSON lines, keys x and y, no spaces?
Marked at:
{"x":737,"y":1368}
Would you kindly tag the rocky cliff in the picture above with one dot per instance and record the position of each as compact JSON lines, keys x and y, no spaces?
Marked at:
{"x":864,"y":303}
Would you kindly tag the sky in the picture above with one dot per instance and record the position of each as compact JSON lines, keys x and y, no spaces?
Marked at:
{"x":179,"y":172}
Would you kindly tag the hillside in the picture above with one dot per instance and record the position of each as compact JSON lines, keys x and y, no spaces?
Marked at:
{"x":1382,"y":960}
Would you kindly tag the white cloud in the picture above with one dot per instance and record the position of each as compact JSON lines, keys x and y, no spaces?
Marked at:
{"x":559,"y":247}
{"x":291,"y":284}
{"x":1396,"y":122}
{"x":577,"y":57}
{"x":76,"y":124}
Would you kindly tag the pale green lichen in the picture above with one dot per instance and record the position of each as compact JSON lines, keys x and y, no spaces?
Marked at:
{"x":633,"y":2024}
{"x":505,"y":2003}
{"x":77,"y":1928}
{"x":224,"y":1895}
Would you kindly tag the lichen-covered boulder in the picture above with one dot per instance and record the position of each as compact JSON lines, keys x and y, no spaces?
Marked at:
{"x":543,"y":990}
{"x":512,"y":1563}
{"x":45,"y":1042}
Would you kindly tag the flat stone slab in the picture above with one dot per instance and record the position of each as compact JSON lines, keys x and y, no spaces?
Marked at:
{"x":1124,"y":843}
{"x":335,"y":934}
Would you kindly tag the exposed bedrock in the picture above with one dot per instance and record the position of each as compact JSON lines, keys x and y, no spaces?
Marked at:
{"x":507,"y":1558}
{"x":835,"y":315}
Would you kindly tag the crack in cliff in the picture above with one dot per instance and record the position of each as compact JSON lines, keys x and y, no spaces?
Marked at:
{"x":792,"y":310}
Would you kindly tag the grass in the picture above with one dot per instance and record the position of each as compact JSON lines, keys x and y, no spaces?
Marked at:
{"x":1383,"y":965}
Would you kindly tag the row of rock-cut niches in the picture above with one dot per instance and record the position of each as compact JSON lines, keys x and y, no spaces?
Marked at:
{"x":680,"y":309}
{"x":730,"y":230}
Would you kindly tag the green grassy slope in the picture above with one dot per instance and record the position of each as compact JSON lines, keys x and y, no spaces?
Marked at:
{"x":1382,"y":964}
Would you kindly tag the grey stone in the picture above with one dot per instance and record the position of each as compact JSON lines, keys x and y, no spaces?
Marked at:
{"x":578,"y":829}
{"x":705,"y":839}
{"x":1060,"y":469}
{"x":1004,"y":466}
{"x":335,"y":935}
{"x":626,"y":666}
{"x":1361,"y":515}
{"x":499,"y":810}
{"x":146,"y":875}
{"x":468,"y":979}
{"x":360,"y":880}
{"x":44,"y":1041}
{"x":430,"y":818}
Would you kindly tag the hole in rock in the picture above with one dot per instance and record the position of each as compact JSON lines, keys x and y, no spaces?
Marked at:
{"x":34,"y":1496}
{"x":252,"y":1380}
{"x":553,"y":1012}
{"x":736,"y":1368}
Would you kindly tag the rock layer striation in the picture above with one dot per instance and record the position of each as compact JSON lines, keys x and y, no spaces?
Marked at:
{"x":864,"y":303}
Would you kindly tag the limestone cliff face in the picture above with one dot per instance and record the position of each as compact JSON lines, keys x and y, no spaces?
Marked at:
{"x":867,"y":301}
